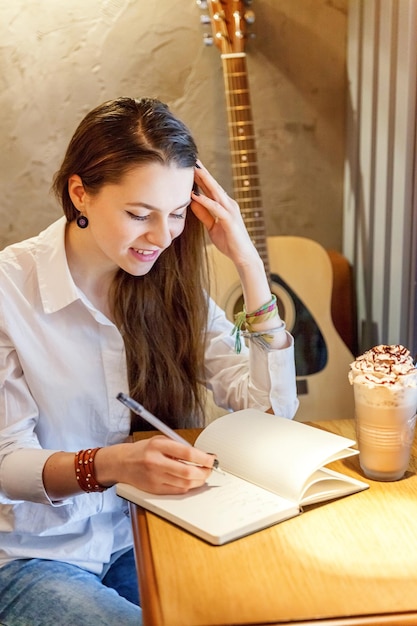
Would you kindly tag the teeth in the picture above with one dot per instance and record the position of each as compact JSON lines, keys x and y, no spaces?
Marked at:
{"x":145,"y":252}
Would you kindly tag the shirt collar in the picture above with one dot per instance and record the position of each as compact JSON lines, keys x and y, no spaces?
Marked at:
{"x":56,"y":285}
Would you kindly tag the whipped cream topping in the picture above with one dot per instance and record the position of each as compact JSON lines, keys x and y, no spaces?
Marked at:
{"x":384,"y":365}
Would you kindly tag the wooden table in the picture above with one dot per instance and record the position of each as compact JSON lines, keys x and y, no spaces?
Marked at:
{"x":348,"y":562}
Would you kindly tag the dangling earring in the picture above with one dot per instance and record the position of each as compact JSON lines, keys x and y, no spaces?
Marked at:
{"x":82,"y":221}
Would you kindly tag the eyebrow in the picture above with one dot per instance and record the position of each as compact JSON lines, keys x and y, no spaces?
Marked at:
{"x":150,"y":207}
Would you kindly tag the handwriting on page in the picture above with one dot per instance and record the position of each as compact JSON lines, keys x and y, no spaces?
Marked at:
{"x":239,"y":498}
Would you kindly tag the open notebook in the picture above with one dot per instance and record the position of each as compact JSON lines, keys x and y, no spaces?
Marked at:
{"x":271,"y":466}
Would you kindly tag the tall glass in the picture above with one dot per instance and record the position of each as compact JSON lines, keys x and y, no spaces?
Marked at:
{"x":385,"y":423}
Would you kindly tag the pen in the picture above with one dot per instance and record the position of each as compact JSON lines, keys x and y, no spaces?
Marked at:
{"x":163,"y":428}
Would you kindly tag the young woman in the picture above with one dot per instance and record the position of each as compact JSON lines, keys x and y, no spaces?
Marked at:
{"x":113,"y":298}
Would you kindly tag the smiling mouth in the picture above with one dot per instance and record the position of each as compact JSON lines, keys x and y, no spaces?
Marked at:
{"x":145,"y":252}
{"x":145,"y":255}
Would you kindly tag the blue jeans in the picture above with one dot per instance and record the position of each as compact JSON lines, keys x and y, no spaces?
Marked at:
{"x":34,"y":592}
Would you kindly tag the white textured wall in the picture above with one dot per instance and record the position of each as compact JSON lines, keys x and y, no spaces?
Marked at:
{"x":60,"y":58}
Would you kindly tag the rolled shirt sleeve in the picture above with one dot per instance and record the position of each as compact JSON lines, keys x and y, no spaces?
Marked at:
{"x":16,"y":483}
{"x":269,"y":381}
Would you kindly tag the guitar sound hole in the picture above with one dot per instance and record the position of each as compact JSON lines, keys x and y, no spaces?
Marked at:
{"x":309,"y":345}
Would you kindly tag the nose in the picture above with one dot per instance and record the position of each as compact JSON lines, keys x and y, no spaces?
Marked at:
{"x":159,"y":234}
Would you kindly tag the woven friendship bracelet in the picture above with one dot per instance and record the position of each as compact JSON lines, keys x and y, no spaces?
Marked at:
{"x":257,"y":318}
{"x":265,"y":308}
{"x":248,"y":320}
{"x":84,"y":471}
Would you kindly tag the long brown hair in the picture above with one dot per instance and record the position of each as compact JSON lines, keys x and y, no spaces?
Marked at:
{"x":162,"y":315}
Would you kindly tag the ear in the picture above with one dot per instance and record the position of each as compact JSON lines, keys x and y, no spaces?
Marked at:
{"x":77,"y":192}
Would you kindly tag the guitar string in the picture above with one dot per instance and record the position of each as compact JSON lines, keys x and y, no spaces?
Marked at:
{"x":245,"y":173}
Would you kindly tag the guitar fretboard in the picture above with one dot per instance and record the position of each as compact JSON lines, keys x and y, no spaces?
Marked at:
{"x":245,"y":173}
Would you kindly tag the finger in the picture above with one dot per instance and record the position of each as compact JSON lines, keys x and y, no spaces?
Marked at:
{"x":175,"y":451}
{"x":214,"y":191}
{"x":190,"y":470}
{"x":209,"y":184}
{"x":205,"y":213}
{"x":185,"y":477}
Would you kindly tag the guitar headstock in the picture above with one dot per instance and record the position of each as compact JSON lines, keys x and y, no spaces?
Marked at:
{"x":229,"y":19}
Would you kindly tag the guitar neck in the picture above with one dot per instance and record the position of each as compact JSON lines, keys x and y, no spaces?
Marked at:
{"x":245,"y":173}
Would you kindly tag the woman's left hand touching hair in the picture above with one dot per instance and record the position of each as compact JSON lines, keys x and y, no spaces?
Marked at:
{"x":221,"y":215}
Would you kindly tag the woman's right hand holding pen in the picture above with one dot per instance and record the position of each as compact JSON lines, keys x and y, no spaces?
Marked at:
{"x":155,"y":465}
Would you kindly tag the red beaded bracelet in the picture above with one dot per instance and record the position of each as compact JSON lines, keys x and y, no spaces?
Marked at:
{"x":84,"y":470}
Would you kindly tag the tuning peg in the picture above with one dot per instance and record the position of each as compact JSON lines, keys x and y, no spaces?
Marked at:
{"x":205,"y":19}
{"x":202,"y":4}
{"x":249,"y":17}
{"x":208,"y":39}
{"x":246,"y":2}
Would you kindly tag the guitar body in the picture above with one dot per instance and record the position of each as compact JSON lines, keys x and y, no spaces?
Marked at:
{"x":299,"y":269}
{"x":301,"y":278}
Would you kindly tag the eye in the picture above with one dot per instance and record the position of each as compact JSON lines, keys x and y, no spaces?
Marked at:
{"x":139,"y":218}
{"x":180,"y":216}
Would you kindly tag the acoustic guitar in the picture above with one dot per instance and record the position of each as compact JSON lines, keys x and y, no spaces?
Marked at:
{"x":300,"y":270}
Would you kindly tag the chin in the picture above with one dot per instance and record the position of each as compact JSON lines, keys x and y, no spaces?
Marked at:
{"x":138,"y":271}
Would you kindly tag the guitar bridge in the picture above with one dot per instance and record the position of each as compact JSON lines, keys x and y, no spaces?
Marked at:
{"x":302,"y":386}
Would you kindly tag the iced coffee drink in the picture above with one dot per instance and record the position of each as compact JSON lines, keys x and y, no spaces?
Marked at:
{"x":384,"y":382}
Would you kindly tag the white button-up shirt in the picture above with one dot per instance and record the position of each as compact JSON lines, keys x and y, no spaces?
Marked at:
{"x":62,"y":364}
